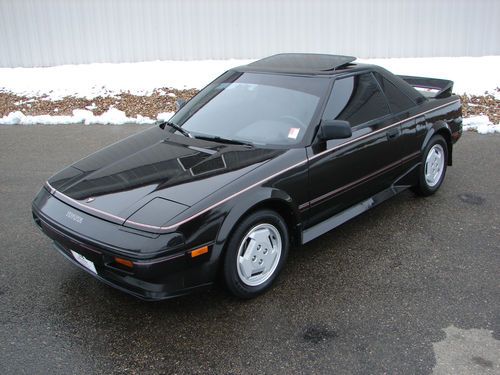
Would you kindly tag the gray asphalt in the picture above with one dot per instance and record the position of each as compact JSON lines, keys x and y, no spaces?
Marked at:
{"x":385,"y":293}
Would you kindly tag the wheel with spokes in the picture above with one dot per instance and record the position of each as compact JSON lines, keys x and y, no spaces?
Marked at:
{"x":256,"y":253}
{"x":433,"y":168}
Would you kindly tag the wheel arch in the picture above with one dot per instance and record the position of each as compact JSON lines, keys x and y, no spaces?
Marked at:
{"x":285,"y":210}
{"x":440,"y":128}
{"x":266,"y":198}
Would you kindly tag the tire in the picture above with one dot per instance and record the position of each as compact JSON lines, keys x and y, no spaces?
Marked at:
{"x":256,"y":253}
{"x":433,"y":166}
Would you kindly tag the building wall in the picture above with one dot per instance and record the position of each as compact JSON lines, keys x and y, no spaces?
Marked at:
{"x":53,"y":32}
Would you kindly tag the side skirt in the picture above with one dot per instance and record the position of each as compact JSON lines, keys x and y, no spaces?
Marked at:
{"x":349,"y":213}
{"x":327,"y":225}
{"x":401,"y":184}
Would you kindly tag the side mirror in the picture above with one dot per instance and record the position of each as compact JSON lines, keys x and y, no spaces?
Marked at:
{"x":334,"y":129}
{"x":179,"y":103}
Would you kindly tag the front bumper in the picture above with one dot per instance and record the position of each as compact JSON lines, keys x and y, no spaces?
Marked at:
{"x":165,"y":273}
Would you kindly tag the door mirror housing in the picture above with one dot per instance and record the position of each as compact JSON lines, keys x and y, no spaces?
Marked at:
{"x":179,"y":103}
{"x":334,"y":129}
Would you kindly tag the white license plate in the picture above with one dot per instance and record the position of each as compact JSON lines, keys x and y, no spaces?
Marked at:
{"x":84,"y":261}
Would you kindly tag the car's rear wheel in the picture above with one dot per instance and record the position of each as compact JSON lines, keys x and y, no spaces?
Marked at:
{"x":256,"y":253}
{"x":433,"y":168}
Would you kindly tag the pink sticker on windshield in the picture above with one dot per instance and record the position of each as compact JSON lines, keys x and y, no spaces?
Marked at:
{"x":293,"y":133}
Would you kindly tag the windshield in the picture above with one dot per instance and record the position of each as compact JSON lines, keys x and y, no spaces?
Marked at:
{"x":258,"y":108}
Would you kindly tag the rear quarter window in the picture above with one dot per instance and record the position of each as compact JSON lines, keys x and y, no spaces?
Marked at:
{"x":356,"y":99}
{"x":398,"y":100}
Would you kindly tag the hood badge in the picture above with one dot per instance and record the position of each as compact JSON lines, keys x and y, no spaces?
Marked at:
{"x":74,"y":217}
{"x":90,"y":199}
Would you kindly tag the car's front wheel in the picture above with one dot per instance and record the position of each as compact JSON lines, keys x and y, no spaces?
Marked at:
{"x":256,"y":253}
{"x":433,"y":168}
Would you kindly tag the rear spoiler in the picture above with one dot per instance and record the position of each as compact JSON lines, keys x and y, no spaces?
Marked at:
{"x":430,"y":87}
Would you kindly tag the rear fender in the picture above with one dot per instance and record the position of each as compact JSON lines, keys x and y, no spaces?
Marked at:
{"x":443,"y":129}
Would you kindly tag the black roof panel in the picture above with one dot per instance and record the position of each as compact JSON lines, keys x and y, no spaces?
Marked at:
{"x":301,"y":63}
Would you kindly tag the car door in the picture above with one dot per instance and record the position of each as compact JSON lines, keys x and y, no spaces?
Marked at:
{"x":405,"y":111}
{"x":346,"y":171}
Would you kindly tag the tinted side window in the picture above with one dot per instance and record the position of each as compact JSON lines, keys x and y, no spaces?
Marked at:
{"x":398,"y":101}
{"x":356,"y":99}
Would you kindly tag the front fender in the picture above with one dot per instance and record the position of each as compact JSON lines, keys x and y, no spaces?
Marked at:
{"x":260,"y":198}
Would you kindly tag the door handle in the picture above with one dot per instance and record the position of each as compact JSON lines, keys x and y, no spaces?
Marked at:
{"x":393,"y":133}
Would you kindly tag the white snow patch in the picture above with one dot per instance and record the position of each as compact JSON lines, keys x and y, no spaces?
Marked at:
{"x":81,"y":116}
{"x":92,"y":80}
{"x":473,"y":75}
{"x":481,"y":124}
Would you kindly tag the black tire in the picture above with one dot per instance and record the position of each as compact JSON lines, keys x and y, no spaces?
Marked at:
{"x":234,"y":282}
{"x":423,"y":188}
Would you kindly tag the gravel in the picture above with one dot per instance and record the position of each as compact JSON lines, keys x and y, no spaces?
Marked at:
{"x":486,"y":104}
{"x":163,"y":100}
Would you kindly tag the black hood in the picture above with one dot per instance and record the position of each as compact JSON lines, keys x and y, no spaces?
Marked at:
{"x":125,"y":176}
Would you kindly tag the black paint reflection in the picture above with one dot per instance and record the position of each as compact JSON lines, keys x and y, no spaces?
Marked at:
{"x":165,"y":166}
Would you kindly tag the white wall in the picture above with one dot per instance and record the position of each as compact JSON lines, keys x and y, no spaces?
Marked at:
{"x":53,"y":32}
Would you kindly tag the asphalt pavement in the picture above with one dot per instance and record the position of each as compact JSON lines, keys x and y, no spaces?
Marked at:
{"x":410,"y":287}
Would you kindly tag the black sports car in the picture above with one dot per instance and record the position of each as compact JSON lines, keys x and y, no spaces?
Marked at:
{"x":270,"y":154}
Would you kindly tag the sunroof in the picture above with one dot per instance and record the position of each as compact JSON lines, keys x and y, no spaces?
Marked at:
{"x":303,"y":61}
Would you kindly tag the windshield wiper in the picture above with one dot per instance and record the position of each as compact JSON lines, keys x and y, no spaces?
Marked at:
{"x":176,"y":127}
{"x":224,"y":140}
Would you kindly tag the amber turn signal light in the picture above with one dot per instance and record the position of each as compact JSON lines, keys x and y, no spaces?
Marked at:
{"x":198,"y":252}
{"x":124,"y":262}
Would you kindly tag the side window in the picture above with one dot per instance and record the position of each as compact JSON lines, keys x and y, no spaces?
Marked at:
{"x":356,"y":99}
{"x":398,"y":101}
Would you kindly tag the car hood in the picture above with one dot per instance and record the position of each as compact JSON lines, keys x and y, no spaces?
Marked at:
{"x":174,"y":170}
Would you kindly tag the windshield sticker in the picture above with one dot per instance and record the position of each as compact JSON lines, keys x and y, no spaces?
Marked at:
{"x":293,"y":133}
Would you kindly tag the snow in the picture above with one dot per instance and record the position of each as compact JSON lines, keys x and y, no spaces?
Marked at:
{"x":81,"y":116}
{"x":92,"y":80}
{"x":472,"y":75}
{"x":481,"y":124}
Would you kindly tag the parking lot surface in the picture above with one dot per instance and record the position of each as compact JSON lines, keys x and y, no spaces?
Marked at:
{"x":410,"y":287}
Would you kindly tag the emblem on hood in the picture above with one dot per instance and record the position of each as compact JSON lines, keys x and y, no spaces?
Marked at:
{"x":74,"y":217}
